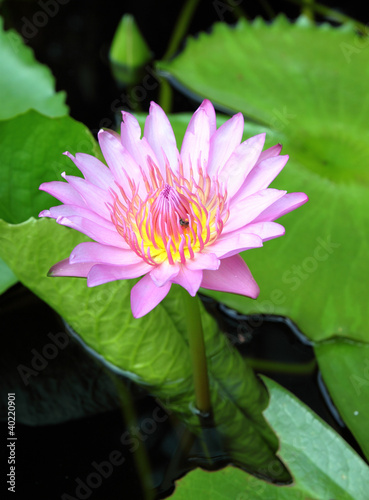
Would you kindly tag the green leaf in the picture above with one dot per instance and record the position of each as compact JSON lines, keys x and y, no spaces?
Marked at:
{"x":31,"y":152}
{"x":250,"y":67}
{"x":309,"y":84}
{"x":345,"y":369}
{"x":153,"y":350}
{"x":7,"y":277}
{"x":322,"y":464}
{"x":25,"y":83}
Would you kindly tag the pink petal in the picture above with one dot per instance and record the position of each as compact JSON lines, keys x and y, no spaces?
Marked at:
{"x":160,"y":135}
{"x":234,"y":243}
{"x":265,"y":230}
{"x":91,"y":251}
{"x":95,"y":231}
{"x":223,"y":142}
{"x":262,"y":175}
{"x":119,"y":160}
{"x":145,"y":295}
{"x":104,"y":273}
{"x":240,"y":163}
{"x":64,"y":268}
{"x":232,"y":276}
{"x":72,"y":210}
{"x":94,"y":197}
{"x":63,"y":192}
{"x":207,"y":106}
{"x":203,"y":261}
{"x":190,"y":280}
{"x":93,"y":170}
{"x":196,"y":141}
{"x":245,"y":211}
{"x":138,"y":148}
{"x":164,"y":272}
{"x":270,"y":152}
{"x":281,"y":207}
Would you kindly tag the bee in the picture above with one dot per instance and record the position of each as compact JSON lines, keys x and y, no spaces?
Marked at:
{"x":183,"y":223}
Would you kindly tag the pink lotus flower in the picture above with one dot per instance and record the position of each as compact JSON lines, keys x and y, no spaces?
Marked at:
{"x":172,"y":217}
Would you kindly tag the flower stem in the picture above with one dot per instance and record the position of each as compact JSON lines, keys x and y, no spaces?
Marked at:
{"x":198,"y":355}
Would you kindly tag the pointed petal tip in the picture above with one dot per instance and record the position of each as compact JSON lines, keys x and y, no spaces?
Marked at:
{"x":105,"y":132}
{"x":303,"y":198}
{"x":254,"y":294}
{"x":206,"y":104}
{"x":153,"y":106}
{"x":54,"y":270}
{"x":145,"y":296}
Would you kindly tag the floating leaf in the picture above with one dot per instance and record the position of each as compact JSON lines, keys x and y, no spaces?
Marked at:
{"x":7,"y":277}
{"x":31,"y":152}
{"x":24,"y":82}
{"x":345,"y":368}
{"x":322,"y":464}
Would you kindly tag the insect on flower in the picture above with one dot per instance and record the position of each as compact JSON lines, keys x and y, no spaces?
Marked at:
{"x":172,"y":217}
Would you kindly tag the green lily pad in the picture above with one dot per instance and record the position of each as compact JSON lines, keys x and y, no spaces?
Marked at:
{"x":322,"y":464}
{"x":7,"y":277}
{"x":345,"y":369}
{"x":24,"y":82}
{"x":31,"y":152}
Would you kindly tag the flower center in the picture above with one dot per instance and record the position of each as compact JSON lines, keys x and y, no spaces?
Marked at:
{"x":173,"y":219}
